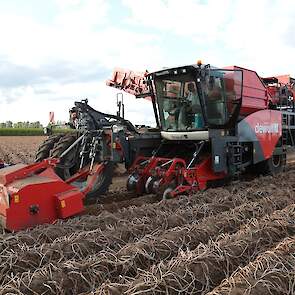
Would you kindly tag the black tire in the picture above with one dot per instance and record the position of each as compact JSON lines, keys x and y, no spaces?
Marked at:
{"x":103,"y":182}
{"x":69,"y":166}
{"x":273,"y":165}
{"x":45,"y":147}
{"x":167,"y":193}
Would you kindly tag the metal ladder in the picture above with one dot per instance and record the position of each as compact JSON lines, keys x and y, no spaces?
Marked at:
{"x":285,"y":129}
{"x":235,"y":151}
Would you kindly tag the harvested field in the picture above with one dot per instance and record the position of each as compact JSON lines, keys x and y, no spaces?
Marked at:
{"x":197,"y":271}
{"x":19,"y":149}
{"x":237,"y":239}
{"x":271,"y":273}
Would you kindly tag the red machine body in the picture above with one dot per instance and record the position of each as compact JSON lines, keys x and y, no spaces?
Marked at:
{"x":31,"y":195}
{"x":254,"y":93}
{"x":257,"y":137}
{"x":266,"y":126}
{"x":131,"y":82}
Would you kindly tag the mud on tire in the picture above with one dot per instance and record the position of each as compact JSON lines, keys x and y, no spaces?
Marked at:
{"x":69,"y":165}
{"x":45,"y":148}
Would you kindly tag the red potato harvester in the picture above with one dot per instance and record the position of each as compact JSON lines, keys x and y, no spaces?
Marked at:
{"x":215,"y":125}
{"x":212,"y":125}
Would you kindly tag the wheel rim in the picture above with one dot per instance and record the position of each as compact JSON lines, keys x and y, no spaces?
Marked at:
{"x":167,"y":193}
{"x":71,"y":167}
{"x":149,"y":185}
{"x":276,"y":160}
{"x":132,"y":182}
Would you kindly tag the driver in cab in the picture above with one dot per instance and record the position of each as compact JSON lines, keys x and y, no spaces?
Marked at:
{"x":193,"y":97}
{"x":191,"y":108}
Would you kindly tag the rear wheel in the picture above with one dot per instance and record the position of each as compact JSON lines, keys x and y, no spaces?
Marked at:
{"x":70,"y":163}
{"x":273,"y":165}
{"x":45,"y":148}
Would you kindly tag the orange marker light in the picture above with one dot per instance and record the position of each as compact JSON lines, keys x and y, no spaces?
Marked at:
{"x":63,"y":204}
{"x":16,"y":199}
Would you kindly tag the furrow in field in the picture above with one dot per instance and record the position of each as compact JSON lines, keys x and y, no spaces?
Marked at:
{"x":272,"y":273}
{"x":200,"y":270}
{"x":83,"y":274}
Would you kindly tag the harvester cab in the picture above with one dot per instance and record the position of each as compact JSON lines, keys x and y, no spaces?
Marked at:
{"x":190,"y":100}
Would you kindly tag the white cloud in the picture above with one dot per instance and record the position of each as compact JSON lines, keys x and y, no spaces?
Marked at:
{"x":76,"y":38}
{"x":82,"y":14}
{"x":73,"y":36}
{"x":82,"y":38}
{"x":187,"y":18}
{"x":255,"y":34}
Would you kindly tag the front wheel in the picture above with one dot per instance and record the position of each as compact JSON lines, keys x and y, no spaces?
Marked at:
{"x":45,"y":147}
{"x":70,"y":165}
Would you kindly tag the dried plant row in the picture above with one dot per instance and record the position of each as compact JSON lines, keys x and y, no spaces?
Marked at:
{"x":152,"y":249}
{"x":199,"y":271}
{"x":84,"y":243}
{"x":83,"y":274}
{"x":48,"y":233}
{"x":273,"y":272}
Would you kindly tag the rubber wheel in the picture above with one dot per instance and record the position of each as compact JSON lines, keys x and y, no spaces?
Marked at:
{"x":103,"y":182}
{"x":167,"y":193}
{"x":132,"y":182}
{"x":45,"y":147}
{"x":273,"y":165}
{"x":69,"y":166}
{"x":149,"y":184}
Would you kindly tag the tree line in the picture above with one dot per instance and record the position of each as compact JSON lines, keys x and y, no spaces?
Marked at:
{"x":23,"y":125}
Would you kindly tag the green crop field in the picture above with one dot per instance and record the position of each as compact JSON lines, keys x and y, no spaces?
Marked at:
{"x":28,"y":131}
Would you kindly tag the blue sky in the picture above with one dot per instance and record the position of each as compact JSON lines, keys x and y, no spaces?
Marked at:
{"x":54,"y":52}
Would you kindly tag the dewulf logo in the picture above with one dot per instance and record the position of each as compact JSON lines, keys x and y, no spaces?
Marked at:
{"x":271,"y":128}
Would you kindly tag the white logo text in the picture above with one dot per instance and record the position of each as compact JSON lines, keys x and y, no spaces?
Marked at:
{"x":271,"y":128}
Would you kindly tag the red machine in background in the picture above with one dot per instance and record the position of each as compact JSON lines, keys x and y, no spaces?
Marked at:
{"x":281,"y":88}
